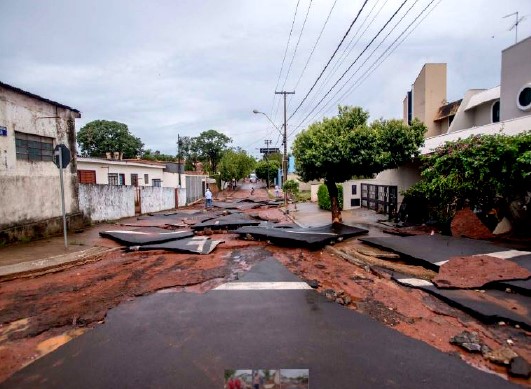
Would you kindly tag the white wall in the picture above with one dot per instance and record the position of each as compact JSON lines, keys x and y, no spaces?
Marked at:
{"x":154,"y":199}
{"x":30,"y":191}
{"x":107,"y":202}
{"x":103,"y":167}
{"x":516,"y":72}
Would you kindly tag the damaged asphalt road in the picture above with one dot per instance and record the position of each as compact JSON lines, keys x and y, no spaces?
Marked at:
{"x":189,"y":340}
{"x":42,"y":313}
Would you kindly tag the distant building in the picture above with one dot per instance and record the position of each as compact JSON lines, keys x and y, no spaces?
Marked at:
{"x":30,"y":128}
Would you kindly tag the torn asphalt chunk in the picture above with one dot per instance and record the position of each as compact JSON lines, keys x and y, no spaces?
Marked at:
{"x":195,"y":245}
{"x":135,"y":238}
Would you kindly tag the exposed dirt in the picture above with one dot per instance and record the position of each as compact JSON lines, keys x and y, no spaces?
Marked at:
{"x":39,"y":314}
{"x":410,"y":311}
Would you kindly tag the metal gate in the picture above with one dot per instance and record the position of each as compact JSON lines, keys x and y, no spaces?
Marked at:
{"x":380,"y":198}
{"x":194,"y":188}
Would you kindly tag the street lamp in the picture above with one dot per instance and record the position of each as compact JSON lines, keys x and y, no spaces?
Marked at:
{"x":270,"y":121}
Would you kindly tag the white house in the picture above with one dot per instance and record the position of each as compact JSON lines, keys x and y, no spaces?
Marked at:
{"x":505,"y":108}
{"x":31,"y":127}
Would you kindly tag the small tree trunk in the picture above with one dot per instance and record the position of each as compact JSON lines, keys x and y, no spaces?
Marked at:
{"x":333,"y":193}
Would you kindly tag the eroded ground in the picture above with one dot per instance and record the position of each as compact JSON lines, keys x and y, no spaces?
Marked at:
{"x":42,"y":313}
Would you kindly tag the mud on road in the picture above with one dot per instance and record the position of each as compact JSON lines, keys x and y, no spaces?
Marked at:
{"x":39,"y":314}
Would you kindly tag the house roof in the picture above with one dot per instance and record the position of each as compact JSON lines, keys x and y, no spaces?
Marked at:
{"x":121,"y":162}
{"x":483,"y":97}
{"x":448,"y":110}
{"x":29,"y":94}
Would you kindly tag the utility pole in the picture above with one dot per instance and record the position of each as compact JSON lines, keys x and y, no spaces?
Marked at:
{"x":179,"y":158}
{"x":267,"y":142}
{"x":285,"y":159}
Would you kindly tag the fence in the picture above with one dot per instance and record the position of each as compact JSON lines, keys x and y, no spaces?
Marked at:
{"x":195,"y":188}
{"x":381,"y":198}
{"x":111,"y":202}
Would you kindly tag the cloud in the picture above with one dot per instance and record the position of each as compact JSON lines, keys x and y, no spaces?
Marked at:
{"x":166,"y":68}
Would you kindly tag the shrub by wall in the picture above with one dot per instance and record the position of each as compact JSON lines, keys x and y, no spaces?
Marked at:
{"x":323,"y":198}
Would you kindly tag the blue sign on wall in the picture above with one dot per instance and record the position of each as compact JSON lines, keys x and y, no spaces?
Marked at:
{"x":3,"y":131}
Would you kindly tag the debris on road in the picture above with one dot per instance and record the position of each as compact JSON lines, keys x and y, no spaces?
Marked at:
{"x":313,"y":238}
{"x":135,"y":238}
{"x":196,"y":245}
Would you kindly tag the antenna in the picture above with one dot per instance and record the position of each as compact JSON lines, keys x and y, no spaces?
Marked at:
{"x":515,"y":25}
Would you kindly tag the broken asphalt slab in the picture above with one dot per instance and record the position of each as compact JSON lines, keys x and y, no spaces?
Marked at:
{"x":196,"y":245}
{"x":189,"y":340}
{"x":229,"y":222}
{"x":135,"y":238}
{"x":434,"y":250}
{"x":302,"y":237}
{"x":489,"y":306}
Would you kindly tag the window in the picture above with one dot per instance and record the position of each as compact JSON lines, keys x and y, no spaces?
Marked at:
{"x":355,"y":202}
{"x":31,"y":147}
{"x":354,"y":189}
{"x":121,"y":179}
{"x":450,"y":120}
{"x":113,"y":179}
{"x":496,"y":112}
{"x":86,"y":176}
{"x":157,"y":182}
{"x":146,"y":179}
{"x":134,"y":179}
{"x":523,"y":100}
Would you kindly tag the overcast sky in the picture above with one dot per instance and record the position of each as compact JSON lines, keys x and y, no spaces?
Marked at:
{"x":182,"y":66}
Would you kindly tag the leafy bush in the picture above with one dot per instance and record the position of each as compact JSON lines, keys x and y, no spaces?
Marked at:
{"x":323,"y":199}
{"x":480,"y":172}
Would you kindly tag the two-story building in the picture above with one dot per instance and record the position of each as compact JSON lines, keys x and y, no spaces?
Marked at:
{"x":505,"y":108}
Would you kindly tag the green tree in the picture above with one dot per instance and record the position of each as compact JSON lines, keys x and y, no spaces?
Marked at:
{"x":210,"y":146}
{"x":338,"y":148}
{"x":101,"y":136}
{"x":189,"y":152}
{"x":267,"y":170}
{"x":236,"y":164}
{"x":157,"y":156}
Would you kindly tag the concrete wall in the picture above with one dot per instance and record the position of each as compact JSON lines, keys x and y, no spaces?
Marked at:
{"x":181,"y":197}
{"x":313,"y":192}
{"x":154,"y":199}
{"x":463,"y":119}
{"x":107,"y":202}
{"x":30,"y":191}
{"x":403,"y":178}
{"x":103,"y":167}
{"x":429,"y":93}
{"x":515,"y":74}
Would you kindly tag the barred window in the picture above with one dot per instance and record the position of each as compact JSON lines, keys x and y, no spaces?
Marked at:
{"x":31,"y":147}
{"x":113,"y":179}
{"x":157,"y":182}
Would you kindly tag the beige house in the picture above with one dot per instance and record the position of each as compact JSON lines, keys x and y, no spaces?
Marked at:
{"x":505,"y":108}
{"x":31,"y":127}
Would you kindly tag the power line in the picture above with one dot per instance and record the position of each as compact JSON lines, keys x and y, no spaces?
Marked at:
{"x":315,"y":45}
{"x":330,"y":60}
{"x":344,"y":54}
{"x":377,"y":63}
{"x":285,"y":53}
{"x":356,"y":60}
{"x":294,"y":53}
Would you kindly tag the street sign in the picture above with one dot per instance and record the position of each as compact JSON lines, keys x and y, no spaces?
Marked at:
{"x":269,"y":150}
{"x":65,"y":156}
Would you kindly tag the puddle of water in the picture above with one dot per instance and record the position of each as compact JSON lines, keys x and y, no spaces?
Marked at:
{"x":52,"y":344}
